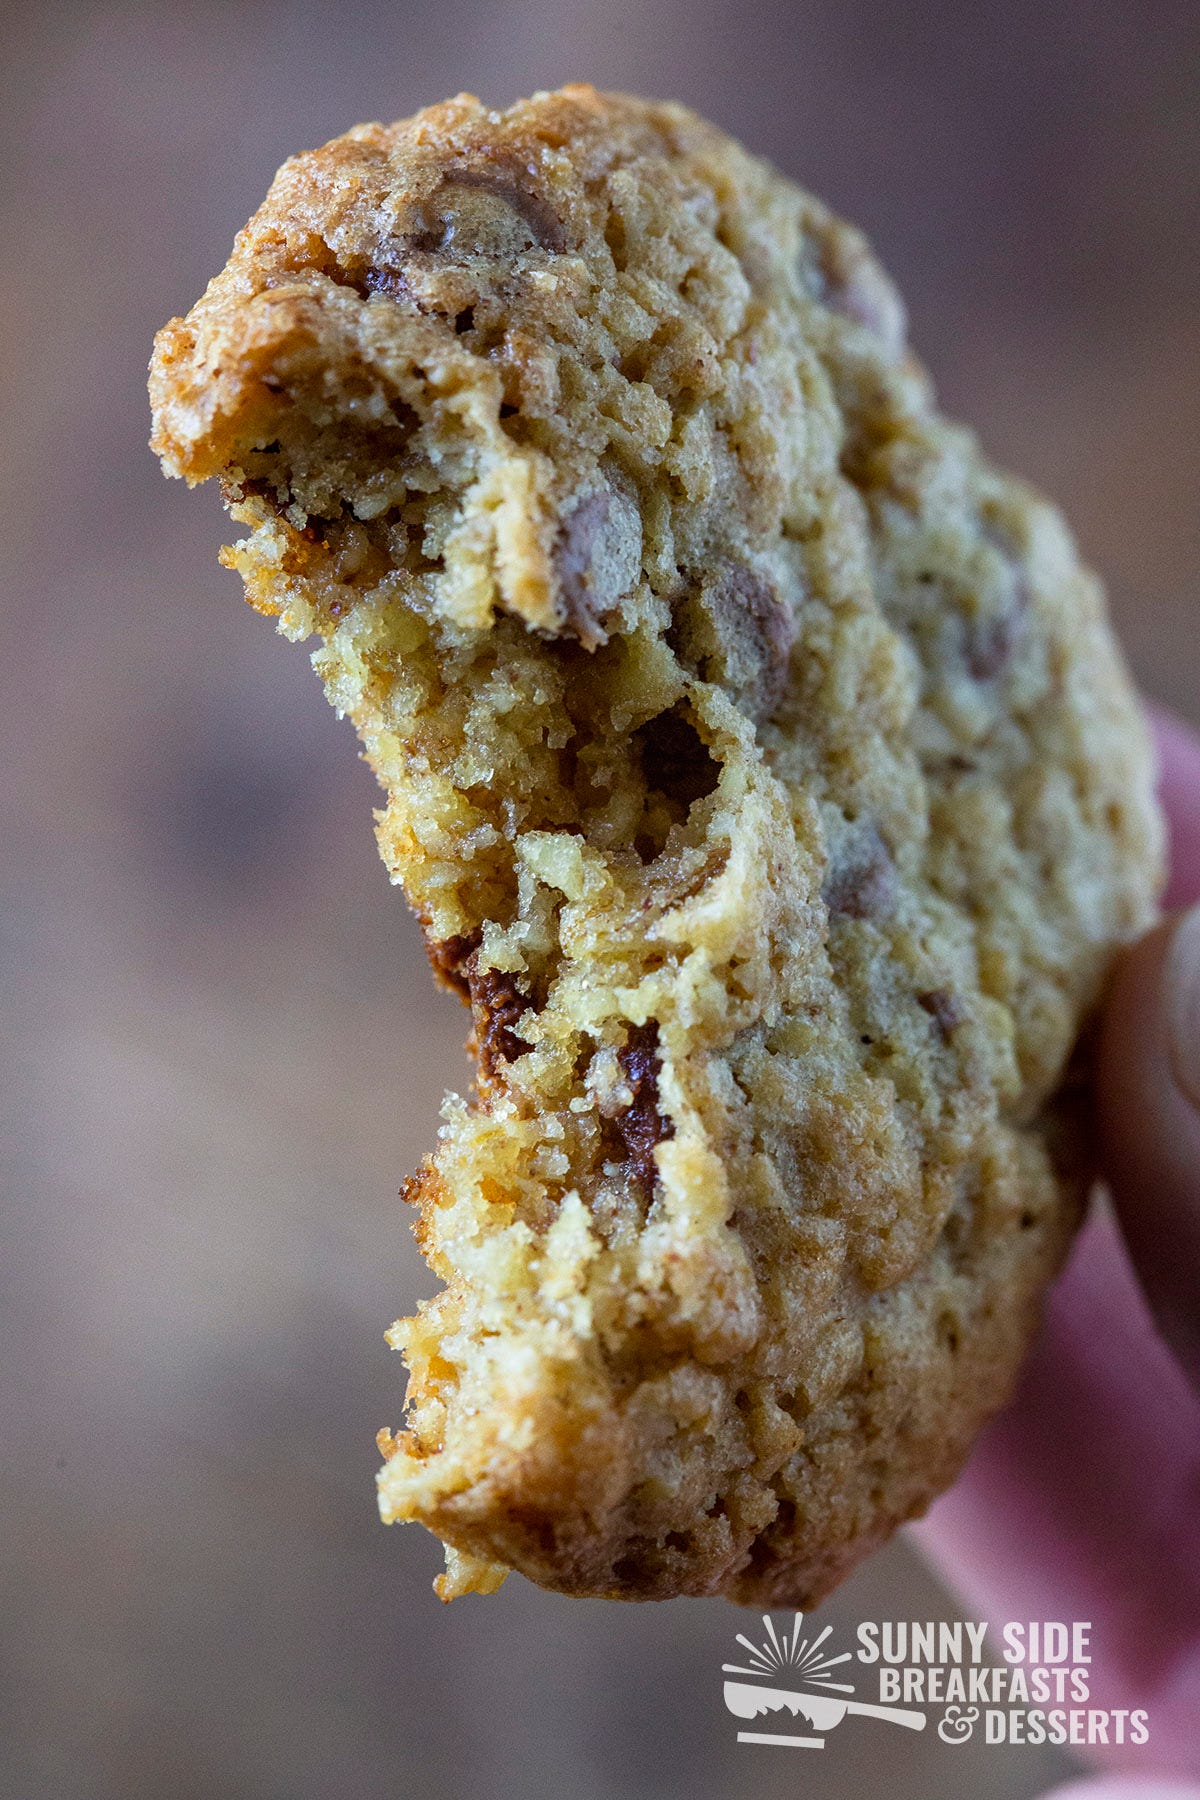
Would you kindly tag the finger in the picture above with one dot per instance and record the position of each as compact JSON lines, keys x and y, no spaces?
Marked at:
{"x":1134,"y":1787}
{"x":1080,"y":1502}
{"x":1080,"y":1499}
{"x":1179,"y":791}
{"x":1148,"y":1110}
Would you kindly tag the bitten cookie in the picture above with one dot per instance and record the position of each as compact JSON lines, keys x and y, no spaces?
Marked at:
{"x":764,"y":775}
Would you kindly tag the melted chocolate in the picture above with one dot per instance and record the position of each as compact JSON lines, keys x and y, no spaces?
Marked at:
{"x":642,"y":1124}
{"x":496,"y":1003}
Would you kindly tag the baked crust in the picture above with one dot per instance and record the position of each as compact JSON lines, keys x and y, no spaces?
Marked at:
{"x":763,"y":772}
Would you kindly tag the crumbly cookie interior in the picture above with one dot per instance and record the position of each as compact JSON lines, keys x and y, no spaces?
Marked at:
{"x":764,"y":775}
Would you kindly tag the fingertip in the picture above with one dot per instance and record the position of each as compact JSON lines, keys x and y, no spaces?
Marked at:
{"x":1126,"y":1787}
{"x":1148,"y":1106}
{"x":1178,"y":748}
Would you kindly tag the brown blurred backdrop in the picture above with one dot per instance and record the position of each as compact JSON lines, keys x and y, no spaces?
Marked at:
{"x":224,"y":1048}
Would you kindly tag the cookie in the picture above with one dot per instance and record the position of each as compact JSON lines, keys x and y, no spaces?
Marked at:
{"x":765,"y":777}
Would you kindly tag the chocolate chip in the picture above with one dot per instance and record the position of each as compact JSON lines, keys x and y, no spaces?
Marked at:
{"x":496,"y":1000}
{"x":944,"y":1008}
{"x":505,"y":183}
{"x":855,"y":286}
{"x":574,"y":548}
{"x":451,"y":958}
{"x":737,"y":632}
{"x":861,"y":881}
{"x":988,"y":644}
{"x":767,"y":630}
{"x":446,"y":222}
{"x":315,"y":530}
{"x":1004,"y":534}
{"x":257,"y":488}
{"x":497,"y":1004}
{"x":387,"y":281}
{"x":597,"y":558}
{"x":642,"y":1125}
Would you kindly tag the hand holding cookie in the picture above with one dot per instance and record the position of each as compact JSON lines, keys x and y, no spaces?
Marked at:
{"x":1080,"y":1500}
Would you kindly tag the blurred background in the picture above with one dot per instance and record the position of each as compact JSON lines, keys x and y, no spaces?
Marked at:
{"x":224,"y":1050}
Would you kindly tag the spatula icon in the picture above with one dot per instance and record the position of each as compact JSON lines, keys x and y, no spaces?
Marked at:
{"x":808,"y":1662}
{"x":821,"y":1711}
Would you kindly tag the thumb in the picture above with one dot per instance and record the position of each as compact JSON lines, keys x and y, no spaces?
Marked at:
{"x":1148,"y":1097}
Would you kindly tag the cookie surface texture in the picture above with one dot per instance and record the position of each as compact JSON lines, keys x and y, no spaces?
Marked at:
{"x":761,"y":767}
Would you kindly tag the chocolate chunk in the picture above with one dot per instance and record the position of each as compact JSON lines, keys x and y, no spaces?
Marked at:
{"x":755,"y":632}
{"x":988,"y":644}
{"x":387,"y":281}
{"x":944,"y":1008}
{"x":597,"y":557}
{"x":737,"y":631}
{"x":861,"y":881}
{"x":496,"y":1000}
{"x":574,"y":550}
{"x":642,"y":1125}
{"x":449,"y":223}
{"x":451,"y":959}
{"x":856,"y":287}
{"x":507,"y":183}
{"x":768,"y":630}
{"x":257,"y":488}
{"x":1004,"y":534}
{"x":316,"y":529}
{"x":497,"y":1004}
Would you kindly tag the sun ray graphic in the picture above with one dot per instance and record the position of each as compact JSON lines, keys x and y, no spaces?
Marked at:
{"x":787,"y":1653}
